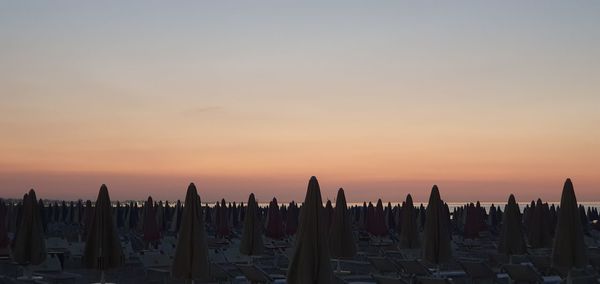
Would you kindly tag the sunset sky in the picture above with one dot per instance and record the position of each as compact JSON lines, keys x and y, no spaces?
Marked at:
{"x":383,"y":98}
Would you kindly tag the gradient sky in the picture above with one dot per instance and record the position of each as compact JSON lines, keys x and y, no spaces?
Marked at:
{"x":383,"y":98}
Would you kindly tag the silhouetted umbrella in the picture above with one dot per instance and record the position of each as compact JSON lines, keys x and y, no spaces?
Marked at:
{"x":379,"y":227}
{"x":102,"y":247}
{"x":512,"y":240}
{"x":87,"y":219}
{"x":436,"y":243}
{"x":569,"y":247}
{"x":29,"y":246}
{"x":472,"y":222}
{"x":191,"y":255}
{"x":341,"y":241}
{"x":150,"y":226}
{"x":4,"y":241}
{"x":275,"y":223}
{"x":222,"y":219}
{"x":539,"y":231}
{"x":409,"y":234}
{"x":252,"y":242}
{"x":310,"y":262}
{"x":291,"y":219}
{"x":328,"y":213}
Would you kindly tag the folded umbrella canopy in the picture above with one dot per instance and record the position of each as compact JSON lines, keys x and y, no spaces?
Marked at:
{"x":409,"y":234}
{"x":29,"y":246}
{"x":512,"y":239}
{"x":191,"y":255}
{"x":539,"y":230}
{"x":379,"y":227}
{"x":310,"y":262}
{"x":275,"y":223}
{"x":150,"y":225}
{"x":222,"y":219}
{"x":291,"y":219}
{"x":4,"y":241}
{"x":341,"y":241}
{"x":436,"y":243}
{"x":569,"y":247}
{"x":252,"y":242}
{"x":102,"y":247}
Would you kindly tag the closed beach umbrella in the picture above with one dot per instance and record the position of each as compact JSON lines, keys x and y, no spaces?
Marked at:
{"x":512,"y":240}
{"x":409,"y":234}
{"x":341,"y":240}
{"x":379,"y":227}
{"x":88,"y":215}
{"x":29,"y":244}
{"x":291,"y":219}
{"x":328,"y":213}
{"x":539,"y":231}
{"x":191,"y":255}
{"x":102,"y":247}
{"x":569,"y":247}
{"x":4,"y":241}
{"x":222,"y":220}
{"x":252,"y":242}
{"x":275,"y":221}
{"x":436,"y":243}
{"x":310,"y":262}
{"x":150,"y":226}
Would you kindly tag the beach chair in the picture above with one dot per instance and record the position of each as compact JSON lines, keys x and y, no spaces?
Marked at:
{"x":522,"y":274}
{"x":543,"y":264}
{"x":51,"y":271}
{"x":384,"y":265}
{"x":56,"y":244}
{"x":254,"y":274}
{"x":595,"y":262}
{"x":232,"y":255}
{"x":76,"y":249}
{"x":167,"y":248}
{"x":519,"y":259}
{"x":432,"y":280}
{"x":478,"y":272}
{"x":413,"y":268}
{"x":156,"y":263}
{"x":383,"y":279}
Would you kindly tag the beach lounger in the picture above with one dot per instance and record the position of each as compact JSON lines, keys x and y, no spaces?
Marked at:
{"x":382,"y":279}
{"x":413,"y":268}
{"x":543,"y":264}
{"x":51,"y":271}
{"x":254,"y":274}
{"x":56,"y":244}
{"x":384,"y":265}
{"x":156,"y":263}
{"x":478,"y":272}
{"x":432,"y":280}
{"x":522,"y":273}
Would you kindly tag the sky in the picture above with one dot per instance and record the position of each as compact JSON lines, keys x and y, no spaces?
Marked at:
{"x":382,"y":98}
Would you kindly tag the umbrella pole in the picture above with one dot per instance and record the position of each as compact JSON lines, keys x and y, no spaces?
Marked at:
{"x":102,"y":277}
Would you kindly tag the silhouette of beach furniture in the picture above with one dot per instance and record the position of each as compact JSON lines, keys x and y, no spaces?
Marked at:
{"x":51,"y":271}
{"x":156,"y":263}
{"x":478,"y":272}
{"x":432,"y":280}
{"x":255,"y":274}
{"x":384,"y":265}
{"x":522,"y":273}
{"x":384,"y":279}
{"x":413,"y":268}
